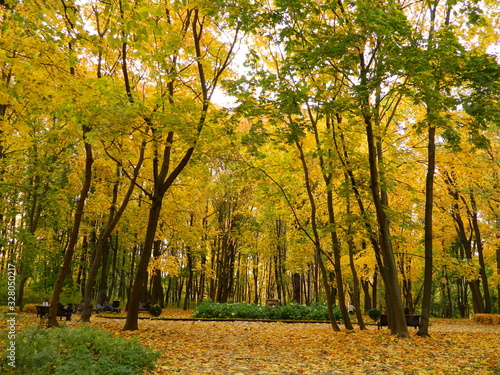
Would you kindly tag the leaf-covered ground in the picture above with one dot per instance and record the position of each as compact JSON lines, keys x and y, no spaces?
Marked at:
{"x":203,"y":347}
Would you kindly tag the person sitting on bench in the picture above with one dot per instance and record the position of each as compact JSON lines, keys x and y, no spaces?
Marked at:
{"x":104,"y":305}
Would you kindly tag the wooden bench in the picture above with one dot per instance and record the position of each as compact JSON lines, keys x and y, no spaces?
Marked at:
{"x":79,"y":309}
{"x":42,"y":310}
{"x":273,"y":302}
{"x":142,"y":307}
{"x":411,"y":320}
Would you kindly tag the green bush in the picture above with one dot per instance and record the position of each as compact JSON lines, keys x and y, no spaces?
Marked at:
{"x":374,"y":314}
{"x":155,"y":310}
{"x":213,"y":310}
{"x":81,"y":350}
{"x":292,"y":311}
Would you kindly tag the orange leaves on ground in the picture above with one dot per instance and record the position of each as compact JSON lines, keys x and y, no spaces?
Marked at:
{"x":204,"y":347}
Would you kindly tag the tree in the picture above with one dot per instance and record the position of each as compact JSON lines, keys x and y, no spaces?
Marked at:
{"x":193,"y":64}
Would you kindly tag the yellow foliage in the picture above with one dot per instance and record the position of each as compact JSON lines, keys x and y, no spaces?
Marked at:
{"x":29,"y":308}
{"x":487,"y":318}
{"x":168,"y":265}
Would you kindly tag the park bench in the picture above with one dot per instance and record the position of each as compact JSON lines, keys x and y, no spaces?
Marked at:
{"x":273,"y":302}
{"x":42,"y":310}
{"x":79,"y":309}
{"x":142,"y":307}
{"x":114,"y":307}
{"x":411,"y":320}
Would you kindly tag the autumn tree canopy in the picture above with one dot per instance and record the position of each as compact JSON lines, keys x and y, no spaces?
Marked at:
{"x":358,"y":162}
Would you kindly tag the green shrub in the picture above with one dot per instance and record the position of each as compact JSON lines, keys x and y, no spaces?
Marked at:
{"x":292,"y":311}
{"x":81,"y":350}
{"x":155,"y":310}
{"x":212,"y":310}
{"x":374,"y":314}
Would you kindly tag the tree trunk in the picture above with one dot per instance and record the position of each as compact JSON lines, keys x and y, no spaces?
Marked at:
{"x":356,"y":290}
{"x":102,"y":248}
{"x":428,"y":236}
{"x":394,"y":302}
{"x":480,"y":255}
{"x":189,"y":282}
{"x":114,"y":270}
{"x":316,"y":239}
{"x":336,"y":264}
{"x":131,"y":323}
{"x":465,"y":242}
{"x":68,"y":256}
{"x":157,"y":296}
{"x":297,"y":287}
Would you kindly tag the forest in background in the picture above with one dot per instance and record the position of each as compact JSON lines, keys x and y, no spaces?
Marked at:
{"x":359,"y":161}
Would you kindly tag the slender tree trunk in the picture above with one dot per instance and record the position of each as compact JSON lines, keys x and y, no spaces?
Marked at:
{"x":428,"y":236}
{"x":189,"y":282}
{"x":316,"y":239}
{"x":336,"y":264}
{"x":70,"y":250}
{"x":131,"y":323}
{"x":102,"y":247}
{"x":480,"y":255}
{"x":297,"y":288}
{"x":394,"y":303}
{"x":356,"y":289}
{"x":157,"y":295}
{"x":465,"y":242}
{"x":114,"y":271}
{"x":343,"y":154}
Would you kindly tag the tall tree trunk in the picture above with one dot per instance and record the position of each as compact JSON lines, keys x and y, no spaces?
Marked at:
{"x":336,"y":263}
{"x":297,"y":288}
{"x":189,"y":282}
{"x":365,"y":285}
{"x":343,"y":154}
{"x":465,"y":242}
{"x":326,"y":170}
{"x":157,"y":296}
{"x":163,"y":175}
{"x":131,"y":323}
{"x":356,"y":290}
{"x":316,"y":239}
{"x":70,"y":250}
{"x":428,"y":236}
{"x":102,"y":247}
{"x":114,"y":270}
{"x":392,"y":284}
{"x":479,"y":247}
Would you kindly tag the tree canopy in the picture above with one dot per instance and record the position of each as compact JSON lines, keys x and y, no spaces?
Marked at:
{"x":358,"y":163}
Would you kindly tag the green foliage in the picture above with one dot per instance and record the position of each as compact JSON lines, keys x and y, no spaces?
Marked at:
{"x":81,"y":350}
{"x":292,"y":311}
{"x":212,"y":310}
{"x":155,"y":310}
{"x":71,"y":294}
{"x":374,"y":314}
